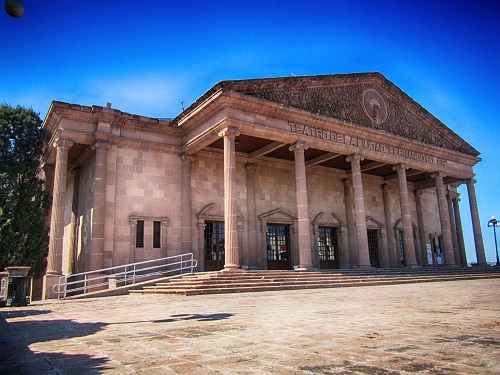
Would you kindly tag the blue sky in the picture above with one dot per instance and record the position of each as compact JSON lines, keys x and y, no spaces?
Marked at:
{"x":146,"y":57}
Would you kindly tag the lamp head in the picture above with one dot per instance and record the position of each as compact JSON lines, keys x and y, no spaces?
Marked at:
{"x":14,"y":8}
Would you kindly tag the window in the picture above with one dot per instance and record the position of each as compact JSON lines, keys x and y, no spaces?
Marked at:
{"x":156,"y":234}
{"x":139,"y":236}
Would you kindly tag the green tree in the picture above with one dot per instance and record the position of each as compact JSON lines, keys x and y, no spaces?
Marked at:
{"x":23,"y":202}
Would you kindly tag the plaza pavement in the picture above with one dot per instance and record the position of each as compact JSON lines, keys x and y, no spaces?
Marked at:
{"x":427,"y":328}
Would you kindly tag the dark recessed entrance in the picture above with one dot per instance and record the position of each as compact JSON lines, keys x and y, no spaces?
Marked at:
{"x":373,"y":248}
{"x":214,"y":246}
{"x":278,"y":247}
{"x":328,"y":248}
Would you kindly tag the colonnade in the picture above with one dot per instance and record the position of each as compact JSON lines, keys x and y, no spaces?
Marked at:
{"x":449,"y":212}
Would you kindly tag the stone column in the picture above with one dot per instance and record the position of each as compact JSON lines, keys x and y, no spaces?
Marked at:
{"x":98,"y":218}
{"x":421,"y":229}
{"x":54,"y":258}
{"x":453,"y":228}
{"x":447,"y":242}
{"x":253,"y":243}
{"x":476,"y":224}
{"x":409,"y":244}
{"x":71,"y":256}
{"x":49,"y":171}
{"x":352,"y":239}
{"x":186,"y":209}
{"x":460,"y":233}
{"x":360,"y":214}
{"x":391,"y":245}
{"x":232,"y":256}
{"x":305,"y":251}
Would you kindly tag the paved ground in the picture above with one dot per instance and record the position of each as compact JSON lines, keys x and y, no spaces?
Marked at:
{"x":429,"y":328}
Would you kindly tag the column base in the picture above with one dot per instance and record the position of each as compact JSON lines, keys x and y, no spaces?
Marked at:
{"x":49,"y":281}
{"x":232,"y":269}
{"x":365,"y":267}
{"x":305,"y":268}
{"x":412,"y":266}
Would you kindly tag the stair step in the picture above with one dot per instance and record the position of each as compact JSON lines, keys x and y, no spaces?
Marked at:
{"x":288,"y":280}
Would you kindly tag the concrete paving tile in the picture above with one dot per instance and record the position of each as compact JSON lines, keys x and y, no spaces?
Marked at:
{"x":434,"y":328}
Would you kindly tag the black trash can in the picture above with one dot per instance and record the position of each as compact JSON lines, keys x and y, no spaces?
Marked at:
{"x":19,"y":291}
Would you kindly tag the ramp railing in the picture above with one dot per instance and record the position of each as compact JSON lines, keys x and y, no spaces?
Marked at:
{"x":127,"y":274}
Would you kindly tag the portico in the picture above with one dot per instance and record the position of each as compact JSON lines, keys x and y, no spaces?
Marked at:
{"x":343,"y":166}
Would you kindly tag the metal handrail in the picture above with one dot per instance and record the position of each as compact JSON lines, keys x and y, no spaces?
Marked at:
{"x":126,"y":274}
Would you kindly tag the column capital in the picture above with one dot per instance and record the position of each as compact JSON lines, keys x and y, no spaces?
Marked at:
{"x":438,"y":174}
{"x":385,"y":186}
{"x":229,"y":132}
{"x":101,"y":145}
{"x":471,"y":181}
{"x":400,"y":166}
{"x":355,"y":157}
{"x":300,"y":145}
{"x":63,"y":143}
{"x":133,"y":219}
{"x":187,"y":158}
{"x":164,"y":221}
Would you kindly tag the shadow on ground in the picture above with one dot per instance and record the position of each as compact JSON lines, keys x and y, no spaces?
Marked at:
{"x":16,"y":338}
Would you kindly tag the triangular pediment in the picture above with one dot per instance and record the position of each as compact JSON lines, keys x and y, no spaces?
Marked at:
{"x":278,"y":215}
{"x":362,"y":99}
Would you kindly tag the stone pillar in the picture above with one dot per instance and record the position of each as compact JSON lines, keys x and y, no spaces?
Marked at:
{"x":305,"y":250}
{"x":49,"y":171}
{"x":352,"y":239}
{"x":186,"y":209}
{"x":406,"y":221}
{"x":392,"y":255}
{"x":98,"y":218}
{"x":71,"y":256}
{"x":476,"y":225}
{"x":54,"y":258}
{"x":360,"y":214}
{"x":421,"y":229}
{"x":447,"y":242}
{"x":232,"y":256}
{"x":453,"y":228}
{"x":460,"y":233}
{"x":253,"y":243}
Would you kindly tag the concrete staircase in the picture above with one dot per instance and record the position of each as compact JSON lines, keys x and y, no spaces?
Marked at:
{"x":258,"y":281}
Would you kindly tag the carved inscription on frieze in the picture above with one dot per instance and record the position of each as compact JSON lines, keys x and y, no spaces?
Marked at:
{"x":363,"y":143}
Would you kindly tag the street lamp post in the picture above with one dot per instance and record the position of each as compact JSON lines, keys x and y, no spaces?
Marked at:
{"x":493,"y":222}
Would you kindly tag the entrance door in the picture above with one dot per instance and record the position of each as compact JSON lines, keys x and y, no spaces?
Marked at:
{"x":278,"y":247}
{"x":214,"y":246}
{"x":373,"y":248}
{"x":328,"y":249}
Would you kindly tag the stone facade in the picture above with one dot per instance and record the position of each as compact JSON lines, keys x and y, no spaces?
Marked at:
{"x":324,"y":172}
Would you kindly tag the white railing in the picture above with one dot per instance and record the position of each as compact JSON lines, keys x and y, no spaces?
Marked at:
{"x":128,"y":274}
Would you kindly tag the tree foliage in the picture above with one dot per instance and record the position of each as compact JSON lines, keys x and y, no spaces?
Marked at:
{"x":23,"y":202}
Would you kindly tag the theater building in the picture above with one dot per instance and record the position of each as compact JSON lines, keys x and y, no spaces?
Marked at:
{"x":315,"y":172}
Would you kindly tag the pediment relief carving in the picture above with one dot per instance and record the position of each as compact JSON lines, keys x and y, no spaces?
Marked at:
{"x":373,"y":103}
